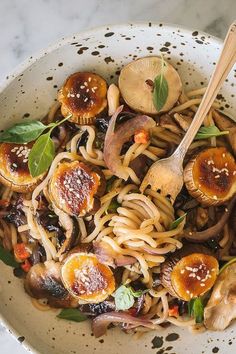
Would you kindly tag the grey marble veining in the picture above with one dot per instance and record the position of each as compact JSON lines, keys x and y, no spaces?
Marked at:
{"x":30,"y":25}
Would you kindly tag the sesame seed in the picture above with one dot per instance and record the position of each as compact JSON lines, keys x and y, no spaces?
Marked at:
{"x":20,"y":155}
{"x":14,"y":164}
{"x":182,"y":271}
{"x":85,"y":83}
{"x":92,"y":89}
{"x":202,"y":284}
{"x":87,"y":90}
{"x":214,"y":197}
{"x":198,"y":278}
{"x":72,"y":95}
{"x":89,"y":79}
{"x":78,"y":95}
{"x":226,"y":164}
{"x":86,"y":99}
{"x":234,"y":173}
{"x":95,"y":88}
{"x":188,"y":292}
{"x":223,"y":154}
{"x":190,"y":233}
{"x":217,"y":176}
{"x":82,"y":87}
{"x":25,"y":160}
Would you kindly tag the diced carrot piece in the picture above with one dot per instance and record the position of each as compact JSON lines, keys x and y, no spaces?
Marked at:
{"x":20,"y":251}
{"x":26,"y":266}
{"x":141,"y":136}
{"x":4,"y":202}
{"x":174,"y":311}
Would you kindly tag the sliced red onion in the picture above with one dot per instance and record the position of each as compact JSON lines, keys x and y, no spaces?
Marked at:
{"x":115,"y":139}
{"x":100,"y":323}
{"x":107,"y":255}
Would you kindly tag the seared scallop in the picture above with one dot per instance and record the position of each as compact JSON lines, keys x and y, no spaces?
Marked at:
{"x":75,"y":188}
{"x":189,"y":272}
{"x":210,"y":177}
{"x":84,"y":96}
{"x":86,"y":278}
{"x":14,"y":171}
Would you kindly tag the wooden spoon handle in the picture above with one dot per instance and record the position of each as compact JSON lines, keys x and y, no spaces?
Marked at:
{"x":223,"y":67}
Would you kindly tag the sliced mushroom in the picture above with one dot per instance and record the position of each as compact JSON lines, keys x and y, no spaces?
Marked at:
{"x":72,"y":232}
{"x":221,"y":307}
{"x":43,"y":281}
{"x":210,"y":176}
{"x":213,"y":231}
{"x":136,"y":83}
{"x":74,"y":188}
{"x":84,"y":96}
{"x":183,"y":121}
{"x":86,"y":278}
{"x":168,"y":122}
{"x":189,"y":272}
{"x":225,"y":123}
{"x":14,"y":171}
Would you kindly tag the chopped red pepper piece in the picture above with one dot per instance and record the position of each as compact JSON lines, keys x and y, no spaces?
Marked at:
{"x":141,"y":136}
{"x":20,"y":251}
{"x":26,"y":266}
{"x":174,"y":311}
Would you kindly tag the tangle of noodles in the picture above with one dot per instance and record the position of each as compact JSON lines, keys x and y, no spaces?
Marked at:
{"x":140,"y":225}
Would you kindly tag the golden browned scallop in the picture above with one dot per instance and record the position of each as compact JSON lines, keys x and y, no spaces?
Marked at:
{"x":75,"y":186}
{"x":86,"y":278}
{"x":14,"y":171}
{"x":210,"y":177}
{"x":189,"y":272}
{"x":84,"y":96}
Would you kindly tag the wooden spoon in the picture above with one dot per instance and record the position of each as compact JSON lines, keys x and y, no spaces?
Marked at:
{"x":166,"y":175}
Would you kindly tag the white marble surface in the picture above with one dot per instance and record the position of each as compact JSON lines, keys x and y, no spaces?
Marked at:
{"x":29,"y":25}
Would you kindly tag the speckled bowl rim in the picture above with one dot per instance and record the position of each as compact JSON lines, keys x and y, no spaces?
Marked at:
{"x":59,"y":43}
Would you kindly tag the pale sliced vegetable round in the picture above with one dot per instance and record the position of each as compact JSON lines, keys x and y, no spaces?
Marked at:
{"x":135,"y":83}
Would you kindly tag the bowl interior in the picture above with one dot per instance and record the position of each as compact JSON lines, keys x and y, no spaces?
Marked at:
{"x":28,"y":94}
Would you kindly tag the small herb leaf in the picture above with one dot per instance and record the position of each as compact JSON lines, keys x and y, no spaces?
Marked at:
{"x":113,"y":206}
{"x":124,"y":298}
{"x":160,"y":92}
{"x":41,"y":155}
{"x":8,"y":258}
{"x":209,"y":132}
{"x":176,"y":222}
{"x":196,"y":309}
{"x":23,"y":132}
{"x":72,"y":315}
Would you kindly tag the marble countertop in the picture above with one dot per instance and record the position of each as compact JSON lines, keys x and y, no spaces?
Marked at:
{"x":29,"y":25}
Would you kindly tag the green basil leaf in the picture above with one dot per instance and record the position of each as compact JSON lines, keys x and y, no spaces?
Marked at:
{"x":72,"y":315}
{"x":41,"y":155}
{"x":160,"y":92}
{"x":233,"y":260}
{"x":124,"y":298}
{"x":209,"y":132}
{"x":23,"y":132}
{"x":161,"y":89}
{"x":176,"y":222}
{"x":8,"y":258}
{"x":113,"y":206}
{"x":196,"y":309}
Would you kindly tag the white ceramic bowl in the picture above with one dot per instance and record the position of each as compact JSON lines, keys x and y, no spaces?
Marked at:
{"x":29,"y":92}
